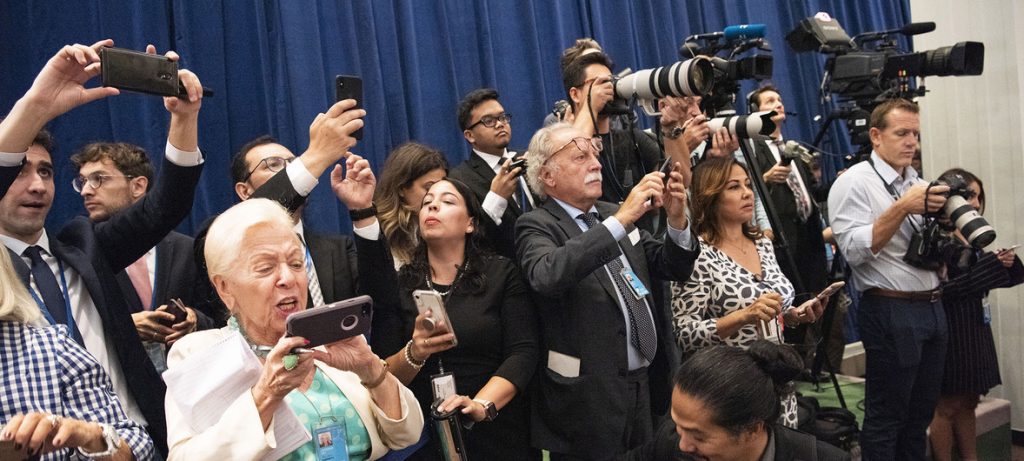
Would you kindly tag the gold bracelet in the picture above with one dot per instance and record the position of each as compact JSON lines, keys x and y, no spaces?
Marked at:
{"x":380,"y":379}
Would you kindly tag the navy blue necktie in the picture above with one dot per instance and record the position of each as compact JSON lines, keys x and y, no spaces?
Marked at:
{"x":641,"y":327}
{"x":53,"y":298}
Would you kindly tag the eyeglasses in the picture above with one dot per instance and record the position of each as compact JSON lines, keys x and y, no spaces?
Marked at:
{"x":584,"y":144}
{"x":94,"y":180}
{"x":274,"y":164}
{"x":490,"y":121}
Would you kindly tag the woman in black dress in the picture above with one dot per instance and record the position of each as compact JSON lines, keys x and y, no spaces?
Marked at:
{"x":490,"y":313}
{"x":971,"y":366}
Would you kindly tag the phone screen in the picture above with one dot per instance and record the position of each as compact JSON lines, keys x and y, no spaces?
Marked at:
{"x":350,"y":87}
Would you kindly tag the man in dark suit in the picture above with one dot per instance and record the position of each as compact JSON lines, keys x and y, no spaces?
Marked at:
{"x":794,"y":193}
{"x":85,"y":256}
{"x":503,"y":192}
{"x":112,"y":177}
{"x":590,"y":270}
{"x":331,"y":259}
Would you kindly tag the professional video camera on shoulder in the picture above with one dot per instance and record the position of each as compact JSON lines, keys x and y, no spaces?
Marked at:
{"x":932,"y":246}
{"x":723,"y":50}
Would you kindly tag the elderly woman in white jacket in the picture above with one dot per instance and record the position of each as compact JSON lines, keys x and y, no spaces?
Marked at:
{"x":340,"y":391}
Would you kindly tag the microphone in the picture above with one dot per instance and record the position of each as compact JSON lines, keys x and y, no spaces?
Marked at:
{"x":744,"y":31}
{"x":916,"y":28}
{"x":794,"y":149}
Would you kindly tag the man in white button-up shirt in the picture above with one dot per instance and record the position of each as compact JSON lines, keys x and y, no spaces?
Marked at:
{"x":876,"y":207}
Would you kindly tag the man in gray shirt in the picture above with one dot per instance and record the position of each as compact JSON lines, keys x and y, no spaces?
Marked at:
{"x":876,"y":207}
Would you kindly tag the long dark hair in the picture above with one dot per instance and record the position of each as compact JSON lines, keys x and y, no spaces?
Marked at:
{"x":471,"y":277}
{"x":710,"y":178}
{"x":741,"y":388}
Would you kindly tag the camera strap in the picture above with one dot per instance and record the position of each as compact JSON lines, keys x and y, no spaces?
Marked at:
{"x":892,"y":191}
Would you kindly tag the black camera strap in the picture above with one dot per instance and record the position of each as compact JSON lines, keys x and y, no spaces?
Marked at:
{"x":892,"y":191}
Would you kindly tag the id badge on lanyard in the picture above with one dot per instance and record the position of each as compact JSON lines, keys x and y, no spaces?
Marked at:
{"x":331,"y":440}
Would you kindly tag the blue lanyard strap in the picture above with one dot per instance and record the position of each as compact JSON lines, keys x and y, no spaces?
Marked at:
{"x":73,"y":329}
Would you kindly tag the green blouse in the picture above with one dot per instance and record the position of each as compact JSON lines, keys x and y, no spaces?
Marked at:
{"x":323,"y":404}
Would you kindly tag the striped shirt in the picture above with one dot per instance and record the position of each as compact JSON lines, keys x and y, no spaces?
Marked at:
{"x":856,"y":200}
{"x":43,"y":370}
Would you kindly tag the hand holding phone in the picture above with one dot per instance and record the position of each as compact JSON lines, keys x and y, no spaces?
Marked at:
{"x":430,"y":300}
{"x":333,"y":322}
{"x":666,"y":167}
{"x":518,"y":162}
{"x":350,"y":87}
{"x":831,"y":290}
{"x":1010,"y":249}
{"x":176,"y":308}
{"x":142,"y":72}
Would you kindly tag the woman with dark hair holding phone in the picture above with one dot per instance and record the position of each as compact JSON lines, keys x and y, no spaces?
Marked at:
{"x":491,"y":315}
{"x":736,"y":288}
{"x":971,"y":365}
{"x":725,"y":405}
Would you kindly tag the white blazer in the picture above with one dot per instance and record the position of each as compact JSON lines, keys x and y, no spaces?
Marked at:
{"x":239,"y":435}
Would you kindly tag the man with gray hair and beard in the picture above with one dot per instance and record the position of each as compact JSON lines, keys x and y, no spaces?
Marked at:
{"x":590,"y":270}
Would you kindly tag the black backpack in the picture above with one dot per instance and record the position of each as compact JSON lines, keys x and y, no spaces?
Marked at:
{"x":832,"y":425}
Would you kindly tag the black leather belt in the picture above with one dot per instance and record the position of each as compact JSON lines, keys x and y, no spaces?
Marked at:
{"x":930,"y":295}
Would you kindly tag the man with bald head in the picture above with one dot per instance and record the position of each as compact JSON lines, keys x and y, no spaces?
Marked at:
{"x":590,"y":269}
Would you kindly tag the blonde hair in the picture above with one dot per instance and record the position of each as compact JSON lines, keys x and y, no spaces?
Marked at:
{"x":16,"y":305}
{"x":227,"y":233}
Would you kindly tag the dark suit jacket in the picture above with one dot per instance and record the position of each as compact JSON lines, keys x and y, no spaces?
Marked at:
{"x":98,"y":251}
{"x":477,"y":174}
{"x":807,"y":246}
{"x":176,"y":277}
{"x":580,"y":316}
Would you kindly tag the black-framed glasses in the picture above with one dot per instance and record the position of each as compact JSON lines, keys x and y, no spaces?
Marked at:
{"x":490,"y":121}
{"x":95,"y":180}
{"x":274,"y":164}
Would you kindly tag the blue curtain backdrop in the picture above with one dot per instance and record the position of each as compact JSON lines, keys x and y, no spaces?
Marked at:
{"x":272,"y":65}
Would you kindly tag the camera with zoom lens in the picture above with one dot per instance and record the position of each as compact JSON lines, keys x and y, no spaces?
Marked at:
{"x":933,"y":246}
{"x":692,"y":77}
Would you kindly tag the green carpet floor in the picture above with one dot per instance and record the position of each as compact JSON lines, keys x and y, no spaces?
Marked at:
{"x":994,"y":445}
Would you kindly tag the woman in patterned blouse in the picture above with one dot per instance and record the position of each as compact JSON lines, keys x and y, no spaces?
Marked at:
{"x":737,"y":287}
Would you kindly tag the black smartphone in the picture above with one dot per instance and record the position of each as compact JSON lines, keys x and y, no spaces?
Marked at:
{"x":176,"y":308}
{"x":136,"y":71}
{"x":666,"y":168}
{"x":333,"y":322}
{"x":142,"y":72}
{"x":350,"y":87}
{"x":519,"y":162}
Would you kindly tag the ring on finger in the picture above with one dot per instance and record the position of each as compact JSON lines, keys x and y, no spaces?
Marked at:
{"x":290,"y":361}
{"x":54,"y":420}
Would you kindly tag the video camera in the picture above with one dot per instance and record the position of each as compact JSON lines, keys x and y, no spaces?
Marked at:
{"x":731,"y":42}
{"x":870,"y":68}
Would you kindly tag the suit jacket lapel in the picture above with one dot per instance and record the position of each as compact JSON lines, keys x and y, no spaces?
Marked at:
{"x":74,"y":258}
{"x":20,"y":267}
{"x":571,"y":229}
{"x":164,"y":272}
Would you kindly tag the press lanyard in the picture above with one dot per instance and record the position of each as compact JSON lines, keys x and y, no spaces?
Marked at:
{"x":67,"y":301}
{"x":892,"y":191}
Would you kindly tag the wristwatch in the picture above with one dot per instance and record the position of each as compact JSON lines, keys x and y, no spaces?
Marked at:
{"x":110,"y":438}
{"x":364,"y":213}
{"x":490,"y":411}
{"x":673,"y":133}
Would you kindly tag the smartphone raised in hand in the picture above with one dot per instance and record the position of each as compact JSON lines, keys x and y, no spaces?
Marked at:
{"x":333,"y":322}
{"x":431,"y":300}
{"x":350,"y":87}
{"x":132,"y":70}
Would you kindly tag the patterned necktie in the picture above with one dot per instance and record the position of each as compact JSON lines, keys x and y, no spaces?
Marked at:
{"x":640,"y":324}
{"x":53,"y":298}
{"x":138,"y":273}
{"x":316,"y":296}
{"x":803,"y":204}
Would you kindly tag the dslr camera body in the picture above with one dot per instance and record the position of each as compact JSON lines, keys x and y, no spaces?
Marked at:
{"x":934,"y":245}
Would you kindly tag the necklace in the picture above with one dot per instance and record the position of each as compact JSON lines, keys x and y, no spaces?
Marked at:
{"x":461,"y":270}
{"x":741,"y":249}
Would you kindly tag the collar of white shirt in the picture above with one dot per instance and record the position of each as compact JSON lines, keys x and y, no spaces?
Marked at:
{"x":19,"y":247}
{"x":492,"y":160}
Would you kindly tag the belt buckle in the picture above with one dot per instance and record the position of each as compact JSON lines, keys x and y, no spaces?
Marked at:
{"x":936,"y":295}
